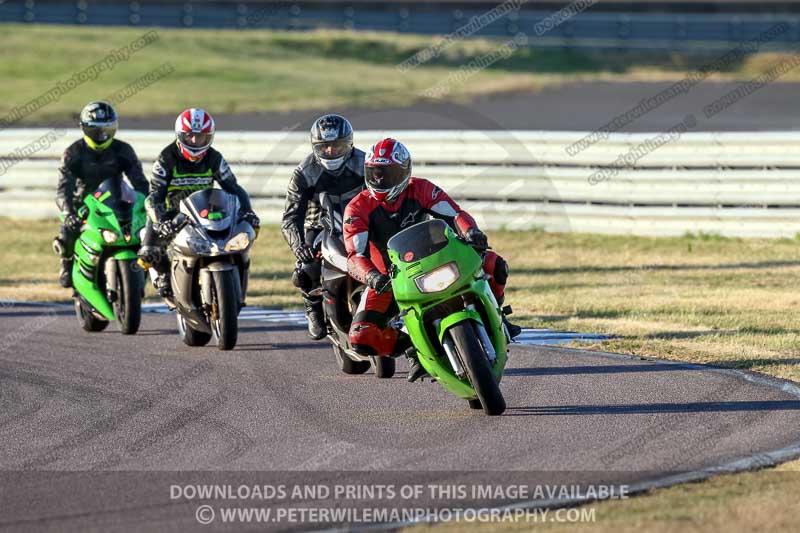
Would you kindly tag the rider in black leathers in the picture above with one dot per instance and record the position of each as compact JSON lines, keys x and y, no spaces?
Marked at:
{"x":87,"y":163}
{"x":336,"y":168}
{"x":184,"y":166}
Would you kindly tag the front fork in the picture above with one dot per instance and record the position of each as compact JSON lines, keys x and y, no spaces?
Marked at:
{"x":111,"y":267}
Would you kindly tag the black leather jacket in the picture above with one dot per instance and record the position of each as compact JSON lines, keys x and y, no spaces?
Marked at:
{"x":308,"y":180}
{"x":82,"y":170}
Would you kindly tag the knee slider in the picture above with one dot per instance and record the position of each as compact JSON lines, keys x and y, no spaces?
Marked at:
{"x":301,"y":279}
{"x":500,"y":271}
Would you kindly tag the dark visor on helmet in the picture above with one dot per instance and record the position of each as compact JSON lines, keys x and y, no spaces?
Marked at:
{"x":384,"y":178}
{"x":195,"y":140}
{"x":331,"y":149}
{"x":100,"y":133}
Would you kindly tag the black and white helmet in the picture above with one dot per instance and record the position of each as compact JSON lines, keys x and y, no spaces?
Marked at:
{"x":332,"y":140}
{"x":98,"y":120}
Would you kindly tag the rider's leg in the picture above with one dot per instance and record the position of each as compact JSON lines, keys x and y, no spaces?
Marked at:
{"x":306,"y":277}
{"x":497,"y":268}
{"x":152,"y":254}
{"x":64,"y":245}
{"x":369,"y":332}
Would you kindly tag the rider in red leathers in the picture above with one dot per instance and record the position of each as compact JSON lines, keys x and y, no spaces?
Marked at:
{"x":393,"y":201}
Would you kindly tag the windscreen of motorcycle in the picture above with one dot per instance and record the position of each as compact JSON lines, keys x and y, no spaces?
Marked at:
{"x":214,"y":209}
{"x":420,"y":240}
{"x":118,"y":196}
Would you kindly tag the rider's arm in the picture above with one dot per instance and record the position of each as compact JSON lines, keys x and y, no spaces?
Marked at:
{"x":298,"y":194}
{"x":156,"y":202}
{"x":356,"y":241}
{"x":225,"y":177}
{"x":133,"y":168}
{"x":66,"y":183}
{"x":439,"y":205}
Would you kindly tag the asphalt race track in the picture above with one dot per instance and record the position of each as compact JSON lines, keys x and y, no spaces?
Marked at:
{"x":97,"y":430}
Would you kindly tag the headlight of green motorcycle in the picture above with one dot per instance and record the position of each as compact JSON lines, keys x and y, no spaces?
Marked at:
{"x":109,"y":236}
{"x":239,"y":242}
{"x":438,"y":279}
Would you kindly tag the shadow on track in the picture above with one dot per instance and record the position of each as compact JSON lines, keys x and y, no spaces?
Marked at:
{"x":269,"y":346}
{"x":605,"y":369}
{"x":691,"y":407}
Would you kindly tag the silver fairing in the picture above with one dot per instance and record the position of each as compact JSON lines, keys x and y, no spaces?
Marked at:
{"x":202,"y":237}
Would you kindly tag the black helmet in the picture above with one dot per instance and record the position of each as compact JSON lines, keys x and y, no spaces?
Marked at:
{"x":332,"y":140}
{"x":99,"y":124}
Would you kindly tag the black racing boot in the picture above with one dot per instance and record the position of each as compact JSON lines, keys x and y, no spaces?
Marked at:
{"x":513,"y":329}
{"x":163,"y":286}
{"x":415,"y":369}
{"x":65,"y":275}
{"x":315,"y":317}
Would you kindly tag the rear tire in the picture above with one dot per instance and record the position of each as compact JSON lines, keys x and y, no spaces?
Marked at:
{"x":384,"y":367}
{"x":128,"y":306}
{"x":191,"y":336}
{"x":347,"y":365}
{"x":86,"y":319}
{"x":225,"y":295}
{"x":476,"y":363}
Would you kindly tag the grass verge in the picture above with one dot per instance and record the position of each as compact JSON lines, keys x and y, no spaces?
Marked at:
{"x":241,"y":71}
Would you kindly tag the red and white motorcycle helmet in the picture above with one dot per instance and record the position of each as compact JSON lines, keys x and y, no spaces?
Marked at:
{"x":194,"y":130}
{"x":387,"y":170}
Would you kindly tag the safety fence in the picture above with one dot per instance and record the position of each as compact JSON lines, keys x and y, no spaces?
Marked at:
{"x":731,"y":184}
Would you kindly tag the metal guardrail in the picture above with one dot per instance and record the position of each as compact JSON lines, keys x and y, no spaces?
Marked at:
{"x":732,"y":184}
{"x":591,"y":29}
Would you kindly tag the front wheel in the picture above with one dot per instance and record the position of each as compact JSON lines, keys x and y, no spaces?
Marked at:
{"x":128,"y":305}
{"x":86,"y":318}
{"x":478,"y":368}
{"x":225,"y":319}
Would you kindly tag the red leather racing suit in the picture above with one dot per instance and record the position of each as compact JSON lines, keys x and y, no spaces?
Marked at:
{"x":368,"y":226}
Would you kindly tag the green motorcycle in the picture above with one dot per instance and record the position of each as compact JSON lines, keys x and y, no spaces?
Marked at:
{"x":450,"y":313}
{"x":108,"y":283}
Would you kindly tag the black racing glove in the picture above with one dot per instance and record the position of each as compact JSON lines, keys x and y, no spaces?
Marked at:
{"x":167,"y":230}
{"x":378,"y":282}
{"x":72,"y":222}
{"x":477,"y":239}
{"x":251,"y":218}
{"x":304,"y":253}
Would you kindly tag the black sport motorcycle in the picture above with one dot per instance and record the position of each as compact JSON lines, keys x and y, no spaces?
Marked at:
{"x":341,"y":295}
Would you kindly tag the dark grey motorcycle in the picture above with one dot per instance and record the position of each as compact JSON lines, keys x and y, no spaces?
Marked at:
{"x":210,"y":264}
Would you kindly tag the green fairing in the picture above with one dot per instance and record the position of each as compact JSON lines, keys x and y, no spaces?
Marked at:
{"x":415,"y":303}
{"x":90,"y":246}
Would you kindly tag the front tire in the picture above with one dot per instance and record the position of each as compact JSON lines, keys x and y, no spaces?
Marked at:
{"x":86,"y":318}
{"x":128,"y":306}
{"x":478,"y":368}
{"x":225,"y":298}
{"x":191,"y":336}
